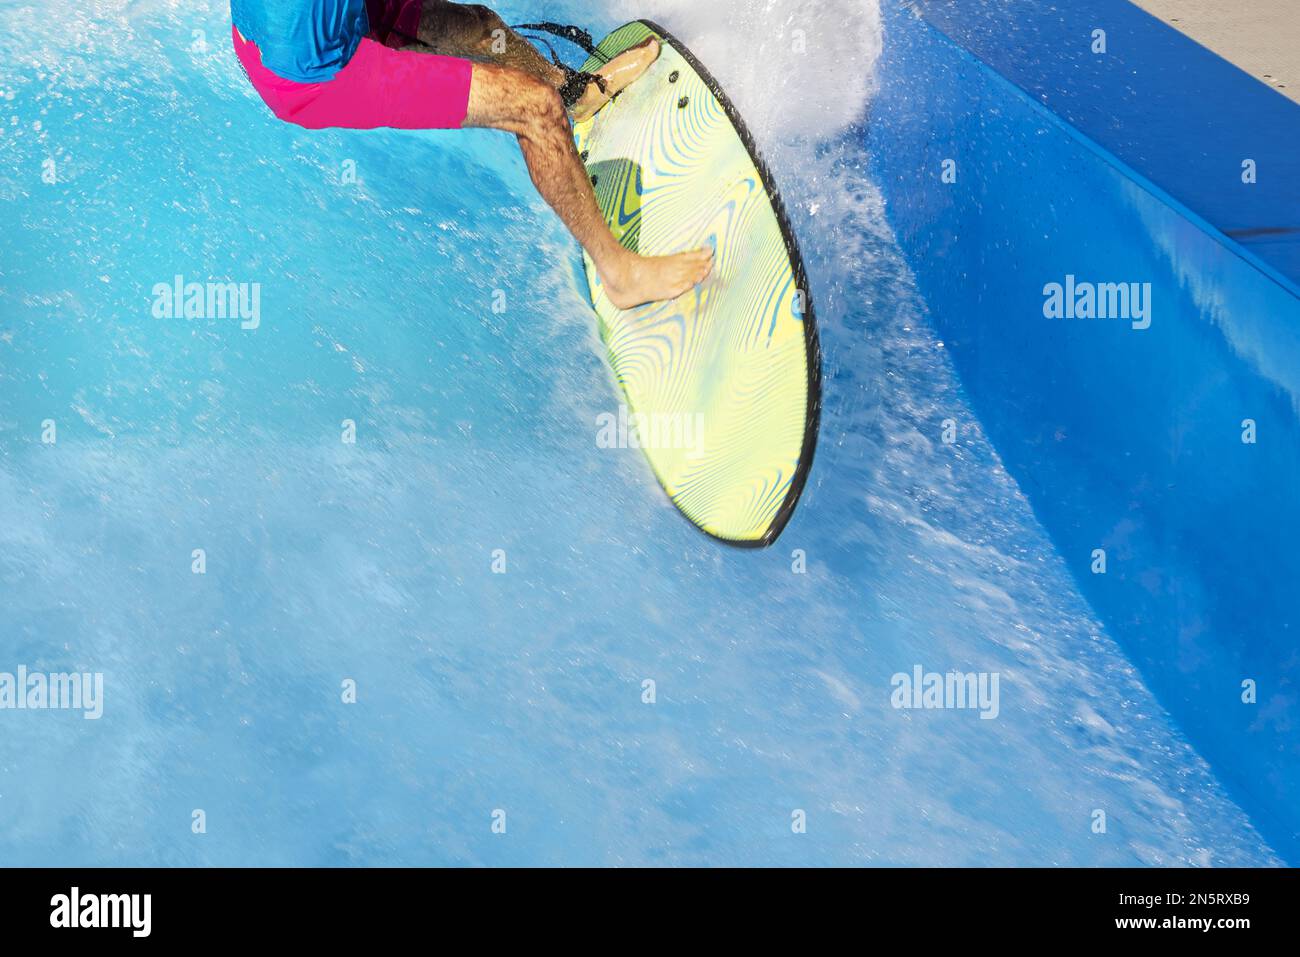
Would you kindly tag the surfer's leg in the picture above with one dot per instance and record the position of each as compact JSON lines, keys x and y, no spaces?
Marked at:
{"x":507,"y":99}
{"x":479,"y":33}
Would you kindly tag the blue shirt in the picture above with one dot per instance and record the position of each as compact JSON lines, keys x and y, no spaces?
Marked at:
{"x":303,"y":40}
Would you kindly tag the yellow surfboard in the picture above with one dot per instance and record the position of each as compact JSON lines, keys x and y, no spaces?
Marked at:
{"x":722,"y":386}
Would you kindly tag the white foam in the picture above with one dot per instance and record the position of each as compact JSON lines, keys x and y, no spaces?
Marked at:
{"x":794,"y":68}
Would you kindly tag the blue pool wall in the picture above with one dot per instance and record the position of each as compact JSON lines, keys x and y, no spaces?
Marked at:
{"x":1124,"y":166}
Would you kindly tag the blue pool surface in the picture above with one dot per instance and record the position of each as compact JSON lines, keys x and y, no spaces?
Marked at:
{"x":1170,"y":442}
{"x":372,"y":562}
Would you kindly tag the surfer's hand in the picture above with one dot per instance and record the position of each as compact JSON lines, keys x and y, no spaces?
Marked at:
{"x":618,"y":74}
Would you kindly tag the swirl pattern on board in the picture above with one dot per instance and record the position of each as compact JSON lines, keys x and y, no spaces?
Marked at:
{"x":725,"y":379}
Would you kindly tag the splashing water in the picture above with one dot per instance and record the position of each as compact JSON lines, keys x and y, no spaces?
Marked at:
{"x":795,"y":68}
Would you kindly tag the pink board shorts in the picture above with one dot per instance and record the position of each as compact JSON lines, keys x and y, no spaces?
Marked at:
{"x":379,"y":86}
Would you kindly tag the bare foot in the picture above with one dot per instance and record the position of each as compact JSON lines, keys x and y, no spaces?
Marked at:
{"x":643,"y":279}
{"x":619,"y":73}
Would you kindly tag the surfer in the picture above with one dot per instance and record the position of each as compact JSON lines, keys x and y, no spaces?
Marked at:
{"x":433,"y":64}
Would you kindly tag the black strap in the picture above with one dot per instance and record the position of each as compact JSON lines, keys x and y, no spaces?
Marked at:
{"x":575,"y":81}
{"x":575,"y":85}
{"x":575,"y":35}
